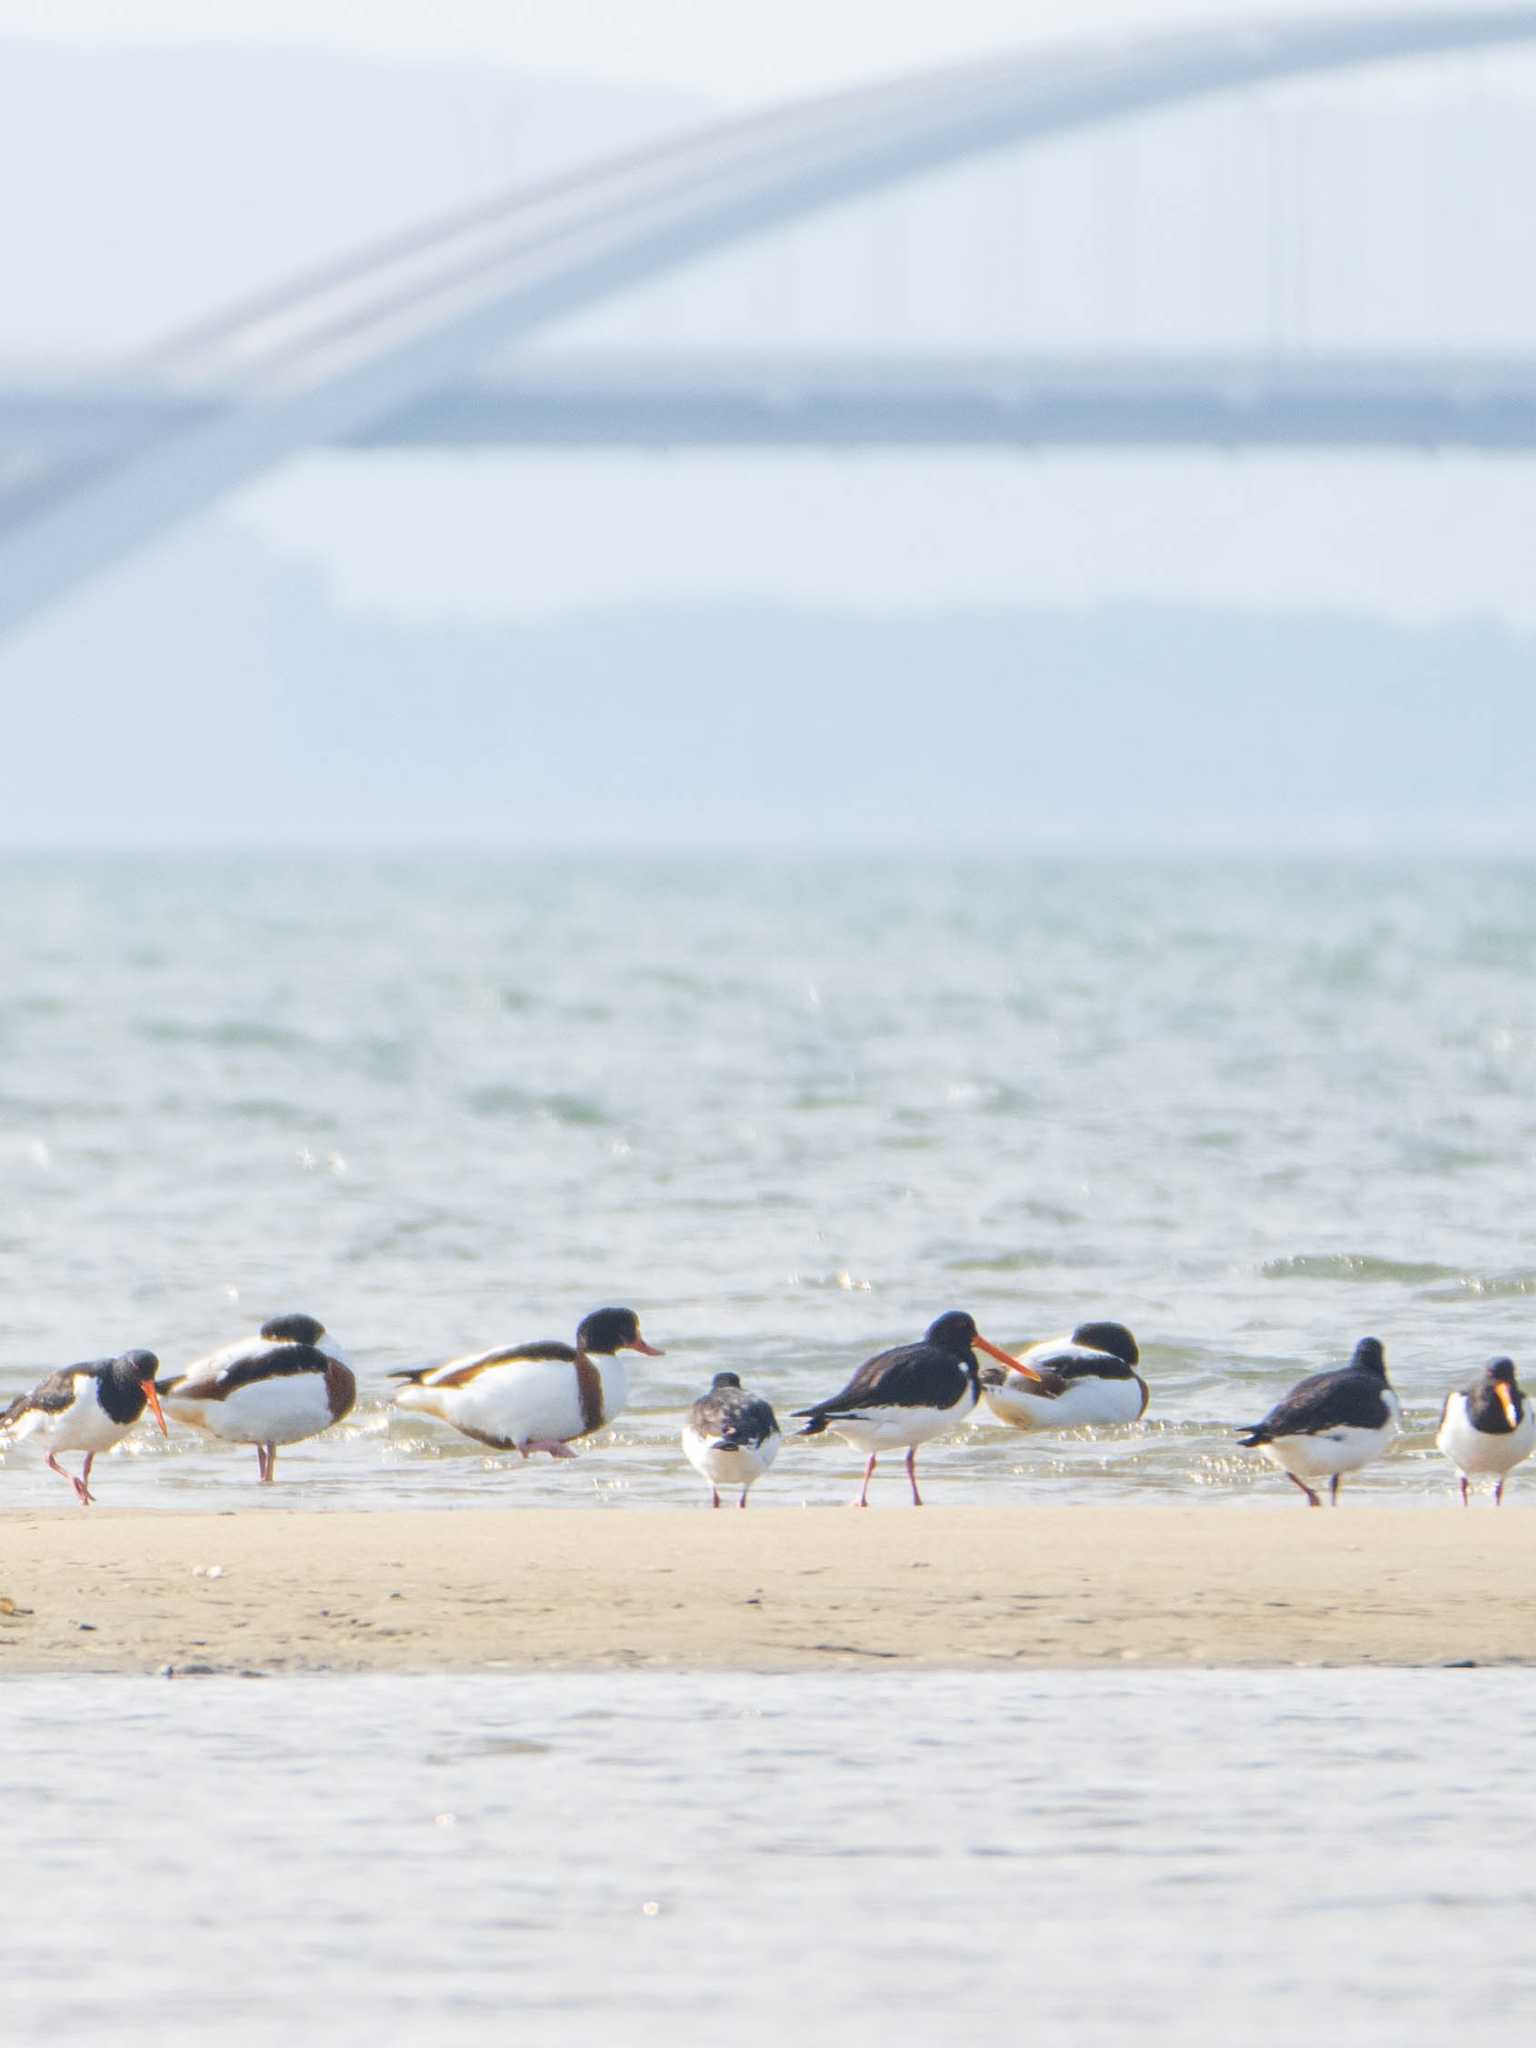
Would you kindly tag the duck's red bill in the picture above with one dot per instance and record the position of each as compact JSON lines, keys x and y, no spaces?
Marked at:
{"x":650,"y":1350}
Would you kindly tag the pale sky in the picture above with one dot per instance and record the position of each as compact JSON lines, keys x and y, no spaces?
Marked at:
{"x":725,"y":48}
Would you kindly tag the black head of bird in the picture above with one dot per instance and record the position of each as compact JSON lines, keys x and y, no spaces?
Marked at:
{"x":134,"y":1373}
{"x":607,"y":1330}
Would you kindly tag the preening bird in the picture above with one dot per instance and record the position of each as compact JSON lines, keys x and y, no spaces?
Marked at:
{"x":731,"y":1437}
{"x":88,"y":1408}
{"x":1487,"y":1427}
{"x":1087,"y":1379}
{"x":288,"y":1382}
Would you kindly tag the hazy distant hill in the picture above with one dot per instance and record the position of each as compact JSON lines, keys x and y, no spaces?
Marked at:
{"x":217,"y":697}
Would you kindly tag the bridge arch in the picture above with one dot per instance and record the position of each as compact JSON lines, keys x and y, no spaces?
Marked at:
{"x":352,"y":344}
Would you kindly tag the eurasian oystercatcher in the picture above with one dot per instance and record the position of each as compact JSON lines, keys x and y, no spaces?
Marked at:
{"x":1488,"y":1426}
{"x":86,"y":1408}
{"x":284,"y":1384}
{"x":533,"y":1397}
{"x":731,"y":1437}
{"x":906,"y":1397}
{"x":1332,"y":1423}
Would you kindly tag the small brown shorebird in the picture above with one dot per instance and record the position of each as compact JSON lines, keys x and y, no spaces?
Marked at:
{"x":731,"y":1437}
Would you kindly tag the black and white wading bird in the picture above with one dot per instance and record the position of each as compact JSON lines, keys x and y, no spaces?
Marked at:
{"x":88,"y":1408}
{"x":1332,"y":1423}
{"x":731,"y":1437}
{"x":533,"y":1397}
{"x":1087,"y":1379}
{"x":902,"y":1398}
{"x":286,"y":1383}
{"x":1488,"y":1427}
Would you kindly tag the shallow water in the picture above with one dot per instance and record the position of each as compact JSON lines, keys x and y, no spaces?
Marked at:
{"x":791,"y":1112}
{"x":1164,"y":1857}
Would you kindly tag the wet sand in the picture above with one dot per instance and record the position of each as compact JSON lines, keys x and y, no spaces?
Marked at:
{"x":116,"y":1590}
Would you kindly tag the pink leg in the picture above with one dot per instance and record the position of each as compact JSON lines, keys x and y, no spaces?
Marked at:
{"x":86,"y":1495}
{"x":1466,"y":1491}
{"x":82,"y":1491}
{"x":1312,"y":1499}
{"x":917,"y":1498}
{"x":1498,"y":1494}
{"x":743,"y":1501}
{"x":271,"y":1463}
{"x":869,"y":1469}
{"x":553,"y":1445}
{"x":1333,"y":1491}
{"x":714,"y":1496}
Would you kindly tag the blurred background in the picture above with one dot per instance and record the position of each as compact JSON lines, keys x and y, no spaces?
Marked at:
{"x":1231,"y":631}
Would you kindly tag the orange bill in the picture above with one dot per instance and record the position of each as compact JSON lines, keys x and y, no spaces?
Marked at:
{"x":650,"y":1350}
{"x":1507,"y":1402}
{"x":154,"y":1402}
{"x":1006,"y":1358}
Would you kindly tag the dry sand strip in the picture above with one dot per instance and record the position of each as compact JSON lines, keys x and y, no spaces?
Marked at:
{"x":580,"y":1589}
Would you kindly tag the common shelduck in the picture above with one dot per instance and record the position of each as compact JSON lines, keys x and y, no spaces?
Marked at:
{"x":1086,"y":1380}
{"x":288,"y":1382}
{"x":533,"y":1397}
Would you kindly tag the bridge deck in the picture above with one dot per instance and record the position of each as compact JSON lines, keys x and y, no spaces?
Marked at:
{"x":831,"y":402}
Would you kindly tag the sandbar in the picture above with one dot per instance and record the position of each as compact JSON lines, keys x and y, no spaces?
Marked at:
{"x":274,"y":1590}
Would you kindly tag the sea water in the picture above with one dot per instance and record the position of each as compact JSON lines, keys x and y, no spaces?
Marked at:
{"x":790,"y":1111}
{"x":1173,"y":1859}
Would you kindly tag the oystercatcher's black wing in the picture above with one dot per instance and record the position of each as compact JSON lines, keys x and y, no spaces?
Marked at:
{"x":910,"y":1376}
{"x":54,"y":1395}
{"x":1344,"y":1399}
